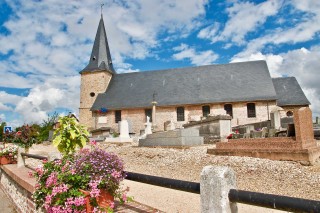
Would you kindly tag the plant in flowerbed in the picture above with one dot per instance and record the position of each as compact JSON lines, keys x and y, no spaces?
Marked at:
{"x":87,"y":180}
{"x":8,"y":154}
{"x":26,"y":136}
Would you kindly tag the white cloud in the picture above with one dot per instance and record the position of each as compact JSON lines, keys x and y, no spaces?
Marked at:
{"x":273,"y":61}
{"x":2,"y":117}
{"x":196,"y":58}
{"x":48,"y":43}
{"x":304,"y":30}
{"x":5,"y":107}
{"x":244,"y":17}
{"x":304,"y":64}
{"x":46,"y":98}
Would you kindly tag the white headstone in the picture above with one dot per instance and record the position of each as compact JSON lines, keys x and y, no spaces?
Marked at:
{"x":148,"y":125}
{"x":275,"y":120}
{"x":124,"y":129}
{"x":172,"y":126}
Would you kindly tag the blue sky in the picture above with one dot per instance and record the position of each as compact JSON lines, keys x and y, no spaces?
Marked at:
{"x":44,"y":44}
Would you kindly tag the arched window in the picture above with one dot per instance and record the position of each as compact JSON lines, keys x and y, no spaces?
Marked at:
{"x":148,"y":112}
{"x":180,"y":113}
{"x":228,"y":109}
{"x":251,"y":109}
{"x":205,"y":110}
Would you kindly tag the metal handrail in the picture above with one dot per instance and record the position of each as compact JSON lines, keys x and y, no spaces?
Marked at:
{"x":181,"y":185}
{"x":39,"y":157}
{"x":278,"y":202}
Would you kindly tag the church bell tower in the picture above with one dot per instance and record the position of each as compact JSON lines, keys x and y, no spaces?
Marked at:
{"x":96,"y":76}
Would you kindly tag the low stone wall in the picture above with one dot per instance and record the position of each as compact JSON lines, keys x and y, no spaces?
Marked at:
{"x":18,"y":187}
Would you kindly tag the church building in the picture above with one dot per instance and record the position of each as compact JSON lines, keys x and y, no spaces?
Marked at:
{"x":243,"y":90}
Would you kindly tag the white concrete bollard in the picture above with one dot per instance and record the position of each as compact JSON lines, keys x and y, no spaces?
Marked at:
{"x":215,"y":183}
{"x":20,"y":159}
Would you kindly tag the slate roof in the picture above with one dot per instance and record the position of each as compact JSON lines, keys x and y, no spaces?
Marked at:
{"x":289,"y":92}
{"x":100,"y":58}
{"x":225,"y":83}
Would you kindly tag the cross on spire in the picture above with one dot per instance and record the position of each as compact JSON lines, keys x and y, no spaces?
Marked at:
{"x":101,"y":9}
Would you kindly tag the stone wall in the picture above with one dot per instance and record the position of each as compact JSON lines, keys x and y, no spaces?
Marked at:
{"x":163,"y":114}
{"x":17,"y":188}
{"x":91,"y":82}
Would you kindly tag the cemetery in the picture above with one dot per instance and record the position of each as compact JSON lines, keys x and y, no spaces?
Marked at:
{"x":169,"y":125}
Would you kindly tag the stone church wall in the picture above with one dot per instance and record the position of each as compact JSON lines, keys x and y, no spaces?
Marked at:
{"x":137,"y":118}
{"x":93,"y":82}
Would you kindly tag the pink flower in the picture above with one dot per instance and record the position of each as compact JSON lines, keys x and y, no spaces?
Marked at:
{"x":93,"y":143}
{"x":30,"y":174}
{"x":111,"y":205}
{"x":52,"y":179}
{"x":44,"y":160}
{"x":124,"y":197}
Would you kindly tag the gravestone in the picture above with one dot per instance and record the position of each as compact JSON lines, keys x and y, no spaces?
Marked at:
{"x":275,"y":120}
{"x":173,"y":138}
{"x":124,"y":134}
{"x":124,"y":129}
{"x":148,"y":128}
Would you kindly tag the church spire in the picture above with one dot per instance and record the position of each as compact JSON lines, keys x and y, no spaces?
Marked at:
{"x":100,"y":58}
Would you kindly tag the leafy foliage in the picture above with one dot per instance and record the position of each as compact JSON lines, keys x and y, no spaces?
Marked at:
{"x":47,"y":126}
{"x":69,"y":135}
{"x":26,"y":136}
{"x":3,"y":124}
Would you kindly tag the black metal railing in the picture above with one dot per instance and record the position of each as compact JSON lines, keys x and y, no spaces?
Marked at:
{"x":39,"y":157}
{"x":181,"y":185}
{"x":239,"y":196}
{"x":278,"y":202}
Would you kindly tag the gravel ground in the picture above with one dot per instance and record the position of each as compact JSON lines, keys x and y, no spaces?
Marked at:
{"x":253,"y":174}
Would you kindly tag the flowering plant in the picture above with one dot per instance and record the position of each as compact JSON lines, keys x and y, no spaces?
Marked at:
{"x":60,"y":182}
{"x":9,"y":151}
{"x":26,"y":136}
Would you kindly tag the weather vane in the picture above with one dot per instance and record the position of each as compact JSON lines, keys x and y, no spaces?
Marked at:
{"x":101,"y":8}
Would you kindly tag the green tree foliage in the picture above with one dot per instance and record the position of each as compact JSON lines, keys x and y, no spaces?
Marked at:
{"x":3,"y":124}
{"x":69,"y":135}
{"x":47,"y":126}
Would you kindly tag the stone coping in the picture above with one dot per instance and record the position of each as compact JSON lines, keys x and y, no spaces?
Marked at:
{"x":20,"y":176}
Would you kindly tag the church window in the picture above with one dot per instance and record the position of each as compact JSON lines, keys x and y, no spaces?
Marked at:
{"x":117,"y":116}
{"x":92,"y":94}
{"x":289,"y":114}
{"x":148,"y":112}
{"x":205,"y":110}
{"x":251,"y":109}
{"x":228,"y":109}
{"x":93,"y":58}
{"x":180,"y":114}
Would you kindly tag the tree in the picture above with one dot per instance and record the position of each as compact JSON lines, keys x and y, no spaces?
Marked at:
{"x":3,"y":124}
{"x":47,"y":126}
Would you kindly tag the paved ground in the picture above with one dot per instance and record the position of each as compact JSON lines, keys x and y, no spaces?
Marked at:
{"x":5,"y":204}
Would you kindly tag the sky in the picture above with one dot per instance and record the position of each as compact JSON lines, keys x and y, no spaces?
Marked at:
{"x":45,"y":43}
